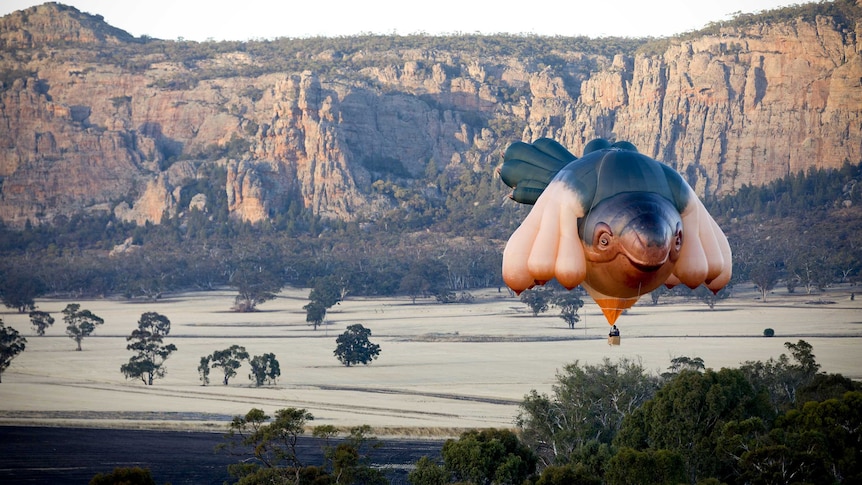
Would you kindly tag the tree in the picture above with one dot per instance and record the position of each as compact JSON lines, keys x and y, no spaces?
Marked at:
{"x":488,"y":456}
{"x":41,"y":321}
{"x":257,"y":282}
{"x":428,"y":472}
{"x":679,"y":364}
{"x":354,"y":347}
{"x":414,"y":285}
{"x":826,"y":437}
{"x":350,"y":462}
{"x":327,"y":292}
{"x":764,"y":275}
{"x":19,"y":288}
{"x":780,"y":378}
{"x":204,"y":369}
{"x":148,"y":341}
{"x":264,"y":368}
{"x":229,"y":360}
{"x":587,"y":409}
{"x":688,"y":416}
{"x":273,"y":446}
{"x":538,"y":299}
{"x":632,"y":467}
{"x":124,"y":476}
{"x":707,"y":296}
{"x":567,"y":475}
{"x":569,"y":303}
{"x":315,"y":312}
{"x":79,"y":323}
{"x":11,"y":344}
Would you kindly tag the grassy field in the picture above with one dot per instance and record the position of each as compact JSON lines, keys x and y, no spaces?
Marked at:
{"x":442,"y":368}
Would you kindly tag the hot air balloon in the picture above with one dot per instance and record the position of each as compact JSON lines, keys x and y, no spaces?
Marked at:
{"x":614,"y":221}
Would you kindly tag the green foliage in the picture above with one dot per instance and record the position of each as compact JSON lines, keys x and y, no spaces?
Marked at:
{"x":204,"y":369}
{"x":569,"y":302}
{"x":229,"y":360}
{"x":489,"y":456}
{"x":650,"y":467}
{"x":80,"y":323}
{"x":768,"y":332}
{"x":315,"y":312}
{"x":272,"y":446}
{"x":586,"y":410}
{"x":11,"y":344}
{"x":264,"y":368}
{"x":354,"y":347}
{"x":350,"y":462}
{"x":41,"y":321}
{"x":151,"y":351}
{"x":124,"y":476}
{"x":256,"y":277}
{"x":269,"y":453}
{"x":780,"y":379}
{"x":687,"y":417}
{"x":19,"y":288}
{"x":538,"y":299}
{"x":679,"y":364}
{"x":428,"y":472}
{"x":827,"y":435}
{"x":328,"y":290}
{"x":567,"y":475}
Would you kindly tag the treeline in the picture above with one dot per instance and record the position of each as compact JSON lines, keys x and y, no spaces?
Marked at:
{"x":802,"y":195}
{"x":800,"y":231}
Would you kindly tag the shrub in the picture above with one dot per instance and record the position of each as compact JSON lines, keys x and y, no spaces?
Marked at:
{"x":768,"y":332}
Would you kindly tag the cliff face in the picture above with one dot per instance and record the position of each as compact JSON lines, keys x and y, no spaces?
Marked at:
{"x":81,"y":130}
{"x":744,"y":107}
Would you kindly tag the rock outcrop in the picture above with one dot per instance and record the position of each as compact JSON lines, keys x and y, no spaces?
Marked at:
{"x":84,"y":129}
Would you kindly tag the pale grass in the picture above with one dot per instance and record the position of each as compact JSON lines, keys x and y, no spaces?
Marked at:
{"x":442,"y":369}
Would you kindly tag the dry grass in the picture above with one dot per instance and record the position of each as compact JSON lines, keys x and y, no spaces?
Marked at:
{"x":442,"y":369}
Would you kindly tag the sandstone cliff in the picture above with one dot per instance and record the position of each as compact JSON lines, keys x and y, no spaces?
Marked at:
{"x":93,"y":119}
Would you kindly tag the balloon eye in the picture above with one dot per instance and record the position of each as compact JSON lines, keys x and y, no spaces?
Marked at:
{"x":603,"y":237}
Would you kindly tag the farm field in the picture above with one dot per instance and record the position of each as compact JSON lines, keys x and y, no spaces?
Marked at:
{"x":442,"y":368}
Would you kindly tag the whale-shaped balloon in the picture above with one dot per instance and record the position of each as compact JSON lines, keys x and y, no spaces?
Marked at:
{"x":614,"y":221}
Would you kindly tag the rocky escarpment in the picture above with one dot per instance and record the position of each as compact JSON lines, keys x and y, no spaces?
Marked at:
{"x":93,"y":119}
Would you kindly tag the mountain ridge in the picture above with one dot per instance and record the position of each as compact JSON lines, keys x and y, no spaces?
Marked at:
{"x":101,"y":121}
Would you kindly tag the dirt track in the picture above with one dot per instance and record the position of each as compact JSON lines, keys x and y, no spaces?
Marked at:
{"x":58,"y":456}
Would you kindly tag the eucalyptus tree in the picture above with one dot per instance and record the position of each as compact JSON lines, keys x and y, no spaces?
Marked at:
{"x":151,"y":352}
{"x":80,"y":323}
{"x":11,"y":344}
{"x":264,"y":368}
{"x":354,"y":347}
{"x":229,"y":360}
{"x":586,"y":410}
{"x":41,"y":321}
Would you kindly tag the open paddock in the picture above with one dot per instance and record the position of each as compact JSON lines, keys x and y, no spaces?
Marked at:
{"x":442,"y":368}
